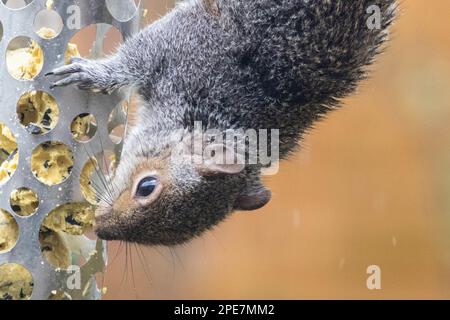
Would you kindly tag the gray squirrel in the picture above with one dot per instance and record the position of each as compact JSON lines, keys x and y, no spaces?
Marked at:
{"x":229,"y":64}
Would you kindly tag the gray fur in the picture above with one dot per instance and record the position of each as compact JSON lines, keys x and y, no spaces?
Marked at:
{"x":232,"y":64}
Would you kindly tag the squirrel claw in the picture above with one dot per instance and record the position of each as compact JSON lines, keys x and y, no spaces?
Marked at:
{"x":84,"y":73}
{"x":68,"y":69}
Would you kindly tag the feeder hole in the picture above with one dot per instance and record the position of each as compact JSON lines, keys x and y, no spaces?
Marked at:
{"x":48,"y":24}
{"x":38,"y":112}
{"x":24,"y":202}
{"x":24,"y":58}
{"x":86,"y":36}
{"x":84,"y":127}
{"x":9,"y":154}
{"x":52,"y":162}
{"x":16,"y":282}
{"x":9,"y":231}
{"x":16,"y":4}
{"x":122,"y":10}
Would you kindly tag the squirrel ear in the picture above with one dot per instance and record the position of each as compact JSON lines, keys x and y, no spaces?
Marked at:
{"x":253,"y":198}
{"x":220,"y":159}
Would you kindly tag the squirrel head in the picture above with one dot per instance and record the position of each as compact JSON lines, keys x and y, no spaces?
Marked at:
{"x":167,"y":196}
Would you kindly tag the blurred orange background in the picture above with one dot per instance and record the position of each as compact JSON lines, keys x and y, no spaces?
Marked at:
{"x":370,"y":186}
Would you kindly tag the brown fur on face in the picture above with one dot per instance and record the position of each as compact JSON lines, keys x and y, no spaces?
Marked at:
{"x":115,"y":216}
{"x":211,"y":7}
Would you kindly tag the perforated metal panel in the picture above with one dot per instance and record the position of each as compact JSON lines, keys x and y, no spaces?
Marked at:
{"x":72,"y":102}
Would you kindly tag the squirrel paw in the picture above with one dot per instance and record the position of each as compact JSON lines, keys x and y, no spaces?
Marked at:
{"x":86,"y":74}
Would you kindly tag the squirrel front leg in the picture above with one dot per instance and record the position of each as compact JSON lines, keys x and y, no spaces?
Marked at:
{"x":140,"y":60}
{"x":113,"y":72}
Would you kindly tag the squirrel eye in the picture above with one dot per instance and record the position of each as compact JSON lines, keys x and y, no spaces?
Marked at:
{"x":146,"y":187}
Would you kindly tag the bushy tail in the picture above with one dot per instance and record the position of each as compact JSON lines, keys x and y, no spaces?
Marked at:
{"x":342,"y":38}
{"x":313,"y":51}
